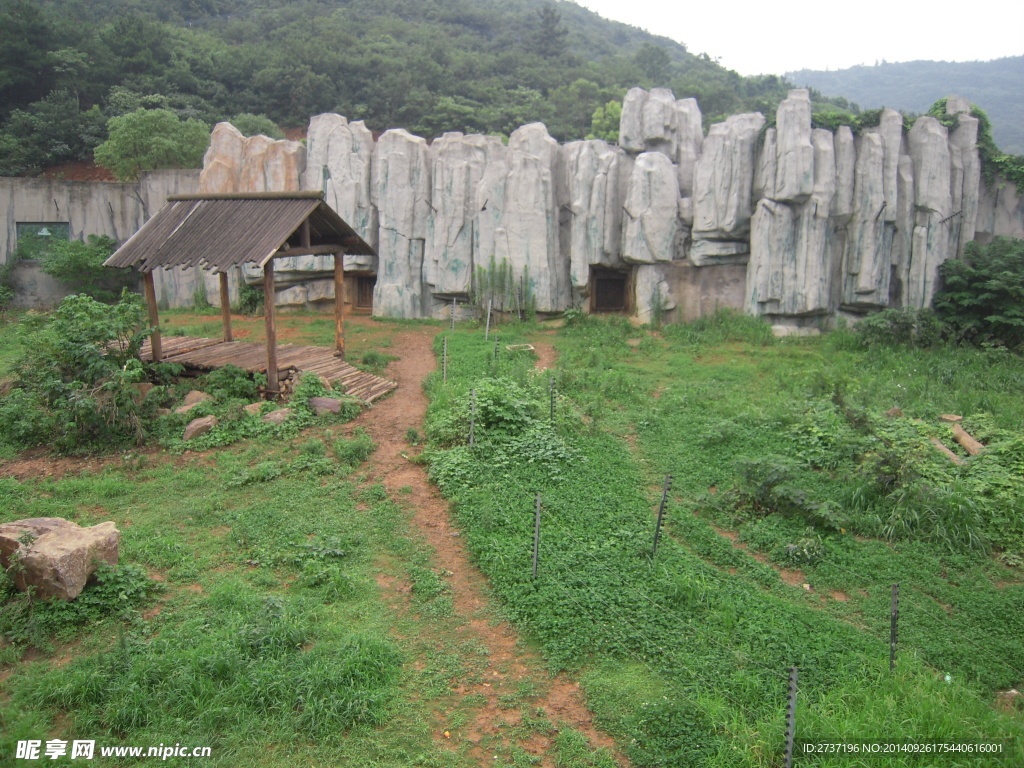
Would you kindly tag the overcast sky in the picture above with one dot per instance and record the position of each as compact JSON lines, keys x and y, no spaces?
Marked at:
{"x":777,"y":36}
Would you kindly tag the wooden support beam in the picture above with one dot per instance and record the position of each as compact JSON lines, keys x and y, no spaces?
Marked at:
{"x":312,"y":250}
{"x":225,"y":305}
{"x":149,"y":289}
{"x":304,"y":235}
{"x":339,"y":304}
{"x":268,"y":315}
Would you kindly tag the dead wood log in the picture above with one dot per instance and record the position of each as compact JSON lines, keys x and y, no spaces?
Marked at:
{"x":970,"y":445}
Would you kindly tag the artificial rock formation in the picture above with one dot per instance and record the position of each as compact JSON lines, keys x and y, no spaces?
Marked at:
{"x":820,"y":222}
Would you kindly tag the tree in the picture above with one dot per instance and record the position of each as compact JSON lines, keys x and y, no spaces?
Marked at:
{"x":605,"y":123}
{"x":654,"y":62}
{"x":152,"y":138}
{"x":256,"y":125}
{"x":549,"y":39}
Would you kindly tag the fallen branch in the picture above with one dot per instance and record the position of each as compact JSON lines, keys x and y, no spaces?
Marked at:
{"x":949,"y":454}
{"x":970,"y":445}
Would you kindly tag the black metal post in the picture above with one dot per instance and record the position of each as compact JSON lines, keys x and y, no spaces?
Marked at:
{"x":661,"y":515}
{"x":791,"y":717}
{"x":894,"y":618}
{"x":536,"y":537}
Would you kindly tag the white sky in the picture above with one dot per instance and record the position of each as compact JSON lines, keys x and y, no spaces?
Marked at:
{"x":776,"y":36}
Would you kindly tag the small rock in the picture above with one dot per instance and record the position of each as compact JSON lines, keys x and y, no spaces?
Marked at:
{"x":195,"y":397}
{"x":950,"y":418}
{"x":61,"y":557}
{"x":253,"y":409}
{"x":142,"y":388}
{"x":192,"y":399}
{"x":324,"y":405}
{"x":163,"y":411}
{"x":280,"y":416}
{"x":893,"y":413}
{"x":198,"y":427}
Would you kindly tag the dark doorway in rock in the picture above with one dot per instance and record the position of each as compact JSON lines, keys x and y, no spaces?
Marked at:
{"x":364,"y":291}
{"x":609,"y":290}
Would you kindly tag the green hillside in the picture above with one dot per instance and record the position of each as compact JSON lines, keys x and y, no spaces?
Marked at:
{"x":68,"y":66}
{"x":913,"y":86}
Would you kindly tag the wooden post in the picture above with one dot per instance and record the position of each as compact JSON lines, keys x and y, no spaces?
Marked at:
{"x":225,"y":305}
{"x":339,"y":304}
{"x":149,"y":288}
{"x":268,"y":315}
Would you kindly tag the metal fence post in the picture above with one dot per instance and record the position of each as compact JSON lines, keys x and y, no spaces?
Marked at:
{"x":661,"y":515}
{"x":791,"y":717}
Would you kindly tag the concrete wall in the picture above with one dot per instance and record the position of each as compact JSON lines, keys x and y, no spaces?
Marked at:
{"x":89,"y":208}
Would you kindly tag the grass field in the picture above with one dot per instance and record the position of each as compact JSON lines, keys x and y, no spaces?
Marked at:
{"x":785,"y":533}
{"x":253,"y":602}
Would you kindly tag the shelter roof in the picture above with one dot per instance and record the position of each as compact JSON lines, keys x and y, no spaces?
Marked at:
{"x":219,"y":231}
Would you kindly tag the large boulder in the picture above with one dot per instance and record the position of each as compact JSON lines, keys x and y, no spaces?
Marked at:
{"x":650,"y":231}
{"x":60,"y":556}
{"x":339,"y":161}
{"x":591,"y":192}
{"x":458,"y":168}
{"x":401,"y":192}
{"x":527,"y":236}
{"x":723,"y":179}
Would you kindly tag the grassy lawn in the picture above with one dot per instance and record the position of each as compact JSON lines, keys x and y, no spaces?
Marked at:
{"x":276,"y":602}
{"x":795,"y":505}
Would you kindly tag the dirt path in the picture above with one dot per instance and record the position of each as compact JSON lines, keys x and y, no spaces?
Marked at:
{"x":388,"y":422}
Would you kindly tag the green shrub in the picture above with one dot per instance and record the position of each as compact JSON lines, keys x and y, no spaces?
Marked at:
{"x":113,"y":592}
{"x":982,"y":295}
{"x":79,"y":265}
{"x":900,"y":327}
{"x":74,"y":381}
{"x":354,"y":450}
{"x":232,"y":382}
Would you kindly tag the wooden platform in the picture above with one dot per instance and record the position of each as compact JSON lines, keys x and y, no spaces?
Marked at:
{"x":208,"y":354}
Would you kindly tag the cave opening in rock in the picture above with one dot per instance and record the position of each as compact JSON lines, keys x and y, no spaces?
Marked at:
{"x":609,"y":290}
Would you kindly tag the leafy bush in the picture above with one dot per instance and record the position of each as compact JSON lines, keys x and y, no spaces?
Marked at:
{"x":354,"y":450}
{"x":112,"y":592}
{"x":74,"y":382}
{"x":80,"y":266}
{"x":900,"y":327}
{"x":982,"y":295}
{"x":232,"y":382}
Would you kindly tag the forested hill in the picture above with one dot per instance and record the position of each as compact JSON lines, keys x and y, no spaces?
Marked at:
{"x":67,"y":66}
{"x":995,"y":86}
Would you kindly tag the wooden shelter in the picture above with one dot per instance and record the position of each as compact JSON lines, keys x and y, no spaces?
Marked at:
{"x":220,"y":231}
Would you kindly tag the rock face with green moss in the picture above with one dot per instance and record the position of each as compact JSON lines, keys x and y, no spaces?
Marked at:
{"x":822,"y":221}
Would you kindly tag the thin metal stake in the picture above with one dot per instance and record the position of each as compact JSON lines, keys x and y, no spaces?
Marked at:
{"x":453,"y":313}
{"x":894,"y":618}
{"x":444,"y":359}
{"x":472,"y":415}
{"x":551,"y":385}
{"x":791,"y":717}
{"x":487,"y":325}
{"x":661,"y":515}
{"x":536,"y":537}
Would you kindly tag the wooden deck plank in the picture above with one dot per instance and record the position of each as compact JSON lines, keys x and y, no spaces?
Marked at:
{"x":209,"y":354}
